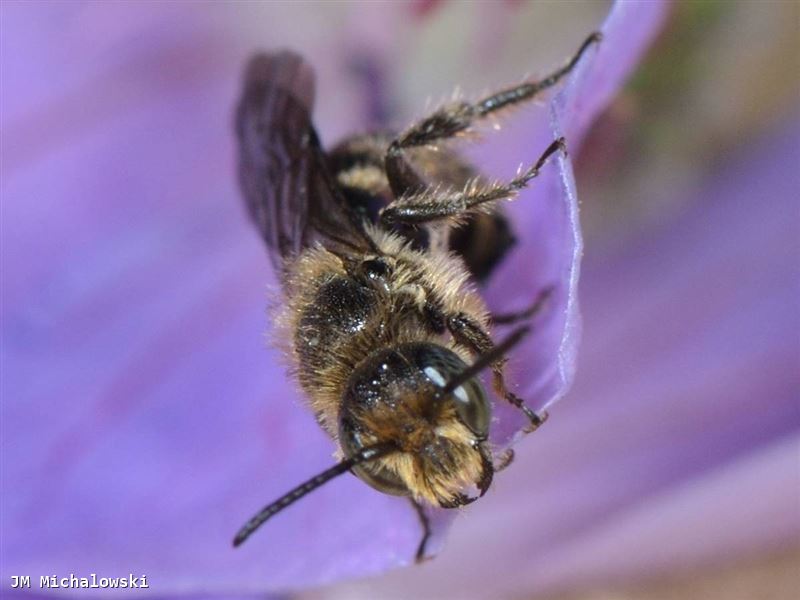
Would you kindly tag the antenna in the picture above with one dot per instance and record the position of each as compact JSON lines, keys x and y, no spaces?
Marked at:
{"x":367,"y":454}
{"x":484,"y":360}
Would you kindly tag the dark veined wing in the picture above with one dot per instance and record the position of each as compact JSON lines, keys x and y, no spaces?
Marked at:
{"x":287,"y":187}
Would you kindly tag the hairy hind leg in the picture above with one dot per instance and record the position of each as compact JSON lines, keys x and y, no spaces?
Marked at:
{"x":458,"y":117}
{"x":431,"y":205}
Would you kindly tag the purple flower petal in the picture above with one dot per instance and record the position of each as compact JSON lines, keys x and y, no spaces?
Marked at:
{"x":136,"y":436}
{"x":680,"y":447}
{"x":549,"y":251}
{"x":132,"y":322}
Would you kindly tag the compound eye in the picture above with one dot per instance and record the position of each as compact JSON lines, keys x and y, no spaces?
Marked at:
{"x":473,"y":408}
{"x":471,"y":402}
{"x":382,"y":480}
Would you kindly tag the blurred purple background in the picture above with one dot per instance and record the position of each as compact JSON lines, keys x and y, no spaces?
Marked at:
{"x":144,"y":417}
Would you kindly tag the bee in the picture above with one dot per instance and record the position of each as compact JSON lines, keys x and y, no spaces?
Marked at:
{"x":388,"y":334}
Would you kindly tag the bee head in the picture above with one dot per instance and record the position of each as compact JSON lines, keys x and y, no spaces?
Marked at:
{"x":411,"y":396}
{"x":414,"y":421}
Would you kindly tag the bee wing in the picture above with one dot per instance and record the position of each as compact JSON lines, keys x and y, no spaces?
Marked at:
{"x":283,"y":172}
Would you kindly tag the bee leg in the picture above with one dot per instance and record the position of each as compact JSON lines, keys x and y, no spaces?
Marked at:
{"x":426,"y":531}
{"x":487,"y":470}
{"x":469,"y":333}
{"x":458,"y":117}
{"x":430,"y":205}
{"x":504,"y":460}
{"x":458,"y":501}
{"x":528,"y":313}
